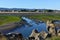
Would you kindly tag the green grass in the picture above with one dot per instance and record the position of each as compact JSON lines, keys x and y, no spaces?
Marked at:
{"x":43,"y":17}
{"x":8,"y":19}
{"x":55,"y":38}
{"x":46,"y":17}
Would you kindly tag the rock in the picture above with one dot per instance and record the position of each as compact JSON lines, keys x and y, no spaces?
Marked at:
{"x":2,"y":37}
{"x":51,"y":28}
{"x":34,"y":34}
{"x":49,"y":36}
{"x":43,"y":34}
{"x":37,"y":35}
{"x":50,"y":24}
{"x":11,"y":36}
{"x":19,"y":36}
{"x":58,"y":32}
{"x":31,"y":38}
{"x":52,"y":31}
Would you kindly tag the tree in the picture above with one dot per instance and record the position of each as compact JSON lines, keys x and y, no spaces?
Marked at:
{"x":50,"y":10}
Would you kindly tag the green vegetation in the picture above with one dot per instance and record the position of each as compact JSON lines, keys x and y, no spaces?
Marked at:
{"x":8,"y":19}
{"x":46,"y":17}
{"x":55,"y":38}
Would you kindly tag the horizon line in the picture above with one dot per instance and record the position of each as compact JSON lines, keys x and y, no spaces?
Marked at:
{"x":31,"y":8}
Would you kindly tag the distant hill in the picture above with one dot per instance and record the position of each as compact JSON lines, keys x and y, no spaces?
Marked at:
{"x":29,"y":10}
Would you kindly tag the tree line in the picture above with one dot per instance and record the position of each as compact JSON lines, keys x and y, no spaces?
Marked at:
{"x":27,"y":10}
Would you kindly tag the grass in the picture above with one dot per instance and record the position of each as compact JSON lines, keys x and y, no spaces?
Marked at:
{"x":8,"y":19}
{"x":55,"y":38}
{"x":45,"y":17}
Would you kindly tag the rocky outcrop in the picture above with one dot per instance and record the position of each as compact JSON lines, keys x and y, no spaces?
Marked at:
{"x":58,"y":32}
{"x":43,"y":34}
{"x":31,"y":38}
{"x":50,"y":24}
{"x":38,"y":35}
{"x":51,"y":28}
{"x":2,"y":37}
{"x":14,"y":36}
{"x":34,"y":34}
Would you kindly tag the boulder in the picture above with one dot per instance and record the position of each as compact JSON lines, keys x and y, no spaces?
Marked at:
{"x":35,"y":34}
{"x":2,"y":37}
{"x":43,"y":34}
{"x":58,"y":32}
{"x":38,"y":35}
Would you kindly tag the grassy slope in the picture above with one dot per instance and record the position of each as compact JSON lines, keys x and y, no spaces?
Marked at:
{"x":8,"y":19}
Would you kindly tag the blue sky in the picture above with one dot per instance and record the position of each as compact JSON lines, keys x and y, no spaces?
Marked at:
{"x":41,"y":4}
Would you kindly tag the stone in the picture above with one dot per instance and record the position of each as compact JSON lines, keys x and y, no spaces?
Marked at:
{"x":43,"y":34}
{"x":34,"y":34}
{"x":38,"y":35}
{"x":2,"y":37}
{"x":58,"y":32}
{"x":31,"y":38}
{"x":51,"y":28}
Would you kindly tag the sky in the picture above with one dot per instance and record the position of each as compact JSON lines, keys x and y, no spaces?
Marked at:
{"x":37,"y":4}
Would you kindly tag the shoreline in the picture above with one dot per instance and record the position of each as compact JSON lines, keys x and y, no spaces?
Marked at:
{"x":9,"y":26}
